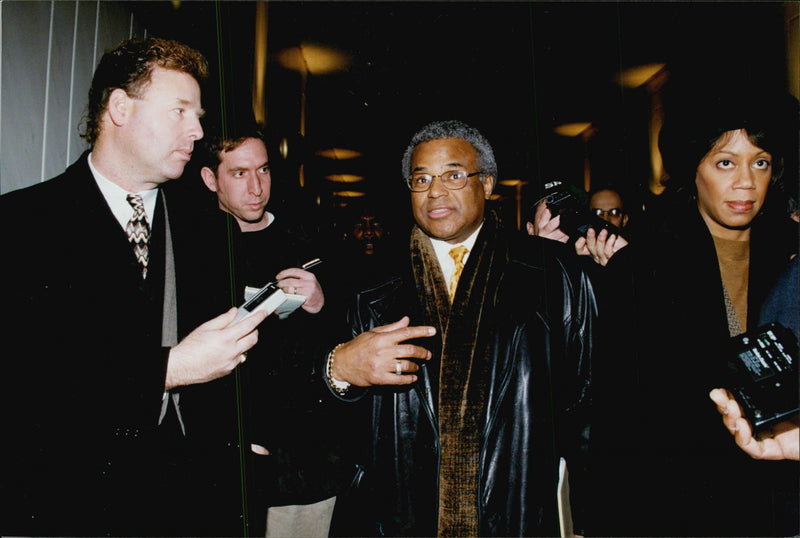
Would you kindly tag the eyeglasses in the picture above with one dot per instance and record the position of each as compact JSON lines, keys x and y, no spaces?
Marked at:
{"x":613,"y":212}
{"x":452,"y":180}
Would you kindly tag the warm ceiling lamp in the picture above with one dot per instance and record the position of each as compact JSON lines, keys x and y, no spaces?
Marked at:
{"x":571,"y":129}
{"x":339,"y":154}
{"x":313,"y":59}
{"x":633,"y":77}
{"x":349,"y":194}
{"x":345,"y":178}
{"x":512,"y":182}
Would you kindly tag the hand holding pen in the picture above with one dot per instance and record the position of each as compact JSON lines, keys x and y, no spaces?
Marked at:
{"x":300,"y":281}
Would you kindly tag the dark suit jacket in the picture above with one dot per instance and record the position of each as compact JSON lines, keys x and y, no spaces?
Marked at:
{"x":84,"y":367}
{"x":663,"y":463}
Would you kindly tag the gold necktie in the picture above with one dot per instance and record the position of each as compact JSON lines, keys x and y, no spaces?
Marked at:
{"x":457,"y":254}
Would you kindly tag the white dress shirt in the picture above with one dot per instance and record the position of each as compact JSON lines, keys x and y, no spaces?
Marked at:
{"x":443,"y":248}
{"x":116,"y":198}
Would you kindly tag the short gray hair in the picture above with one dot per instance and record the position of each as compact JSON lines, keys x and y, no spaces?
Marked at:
{"x":453,"y":129}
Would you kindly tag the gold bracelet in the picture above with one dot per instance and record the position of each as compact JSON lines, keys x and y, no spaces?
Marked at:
{"x":339,"y":386}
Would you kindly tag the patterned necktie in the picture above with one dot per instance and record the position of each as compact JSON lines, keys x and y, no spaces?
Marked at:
{"x":457,"y":254}
{"x":139,"y":231}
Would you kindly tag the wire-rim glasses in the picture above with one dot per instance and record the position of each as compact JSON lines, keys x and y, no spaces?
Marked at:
{"x":452,"y":180}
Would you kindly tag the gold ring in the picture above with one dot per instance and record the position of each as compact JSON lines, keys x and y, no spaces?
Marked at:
{"x":292,"y":290}
{"x":398,"y":368}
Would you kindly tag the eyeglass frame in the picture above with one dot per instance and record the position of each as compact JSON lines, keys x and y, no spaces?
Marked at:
{"x":411,"y":177}
{"x":599,"y":212}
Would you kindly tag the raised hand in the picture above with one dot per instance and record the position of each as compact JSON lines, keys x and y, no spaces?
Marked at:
{"x":379,"y":356}
{"x":297,"y":281}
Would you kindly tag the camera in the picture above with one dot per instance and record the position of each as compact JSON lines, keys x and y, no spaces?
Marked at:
{"x":762,"y":375}
{"x":572,"y":205}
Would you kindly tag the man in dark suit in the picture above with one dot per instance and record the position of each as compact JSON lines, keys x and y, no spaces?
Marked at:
{"x":94,"y":362}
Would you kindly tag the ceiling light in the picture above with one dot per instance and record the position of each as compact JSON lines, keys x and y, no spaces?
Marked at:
{"x":634,"y":77}
{"x":513,"y":182}
{"x":313,"y":59}
{"x":345,"y":178}
{"x":348,"y":194}
{"x":571,"y":129}
{"x":339,"y":154}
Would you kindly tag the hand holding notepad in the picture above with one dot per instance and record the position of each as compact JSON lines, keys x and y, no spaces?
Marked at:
{"x":272,"y":299}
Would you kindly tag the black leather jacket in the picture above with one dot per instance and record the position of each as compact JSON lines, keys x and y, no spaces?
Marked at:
{"x":535,"y":412}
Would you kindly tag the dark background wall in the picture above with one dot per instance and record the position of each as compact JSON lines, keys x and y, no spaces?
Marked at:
{"x":513,"y":69}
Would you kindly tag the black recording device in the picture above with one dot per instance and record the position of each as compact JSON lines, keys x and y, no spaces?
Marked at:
{"x":572,"y":205}
{"x":762,"y":374}
{"x":272,"y":299}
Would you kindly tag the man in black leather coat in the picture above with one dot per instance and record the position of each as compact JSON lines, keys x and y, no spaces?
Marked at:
{"x":478,"y":382}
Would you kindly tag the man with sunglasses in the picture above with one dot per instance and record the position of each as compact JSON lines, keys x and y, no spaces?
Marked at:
{"x":473,"y":352}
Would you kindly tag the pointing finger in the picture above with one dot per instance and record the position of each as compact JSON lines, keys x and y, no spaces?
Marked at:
{"x":409,"y":333}
{"x":399,"y":324}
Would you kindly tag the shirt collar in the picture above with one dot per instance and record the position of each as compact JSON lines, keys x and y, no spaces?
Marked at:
{"x":116,"y":197}
{"x":443,"y":248}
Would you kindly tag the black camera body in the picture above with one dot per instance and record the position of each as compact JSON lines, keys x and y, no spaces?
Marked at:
{"x":762,"y":374}
{"x":572,"y":205}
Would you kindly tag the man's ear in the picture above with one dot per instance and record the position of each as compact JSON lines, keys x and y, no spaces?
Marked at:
{"x":488,"y":186}
{"x":624,"y":219}
{"x":119,"y":107}
{"x":209,"y":178}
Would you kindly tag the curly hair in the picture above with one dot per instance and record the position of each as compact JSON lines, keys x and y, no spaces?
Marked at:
{"x":453,"y":129}
{"x":129,"y":68}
